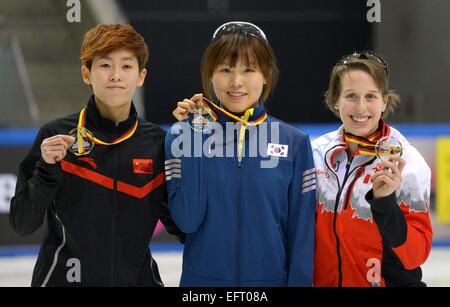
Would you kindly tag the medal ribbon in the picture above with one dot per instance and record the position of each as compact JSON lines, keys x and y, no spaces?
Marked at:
{"x":247,"y":114}
{"x":366,"y":146}
{"x":80,"y":134}
{"x":211,"y":107}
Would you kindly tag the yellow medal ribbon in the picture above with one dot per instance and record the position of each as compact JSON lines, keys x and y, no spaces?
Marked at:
{"x":247,"y":115}
{"x":367,"y":145}
{"x":84,"y":133}
{"x":243,"y":121}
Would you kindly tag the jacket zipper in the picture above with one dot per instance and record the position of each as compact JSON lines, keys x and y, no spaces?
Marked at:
{"x":338,"y":196}
{"x":240,"y":144}
{"x":350,"y":187}
{"x":113,"y":222}
{"x":238,"y":209}
{"x":359,"y":172}
{"x":338,"y":243}
{"x":238,"y":217}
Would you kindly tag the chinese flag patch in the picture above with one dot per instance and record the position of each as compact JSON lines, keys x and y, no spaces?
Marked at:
{"x":143,"y":166}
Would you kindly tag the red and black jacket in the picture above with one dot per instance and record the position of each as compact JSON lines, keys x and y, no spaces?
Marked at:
{"x":361,"y":241}
{"x":101,"y":208}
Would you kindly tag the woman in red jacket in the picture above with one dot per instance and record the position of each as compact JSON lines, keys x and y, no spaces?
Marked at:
{"x":373,"y":226}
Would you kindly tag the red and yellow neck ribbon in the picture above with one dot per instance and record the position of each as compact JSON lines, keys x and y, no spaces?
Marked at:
{"x":212,"y":107}
{"x":366,"y":145}
{"x":125,"y":136}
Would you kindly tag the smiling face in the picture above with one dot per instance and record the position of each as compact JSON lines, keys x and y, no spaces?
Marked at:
{"x":240,"y":70}
{"x":114,"y":77}
{"x":360,"y":103}
{"x":238,"y":87}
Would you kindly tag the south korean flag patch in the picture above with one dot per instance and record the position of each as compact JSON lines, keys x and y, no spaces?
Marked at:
{"x":277,"y":150}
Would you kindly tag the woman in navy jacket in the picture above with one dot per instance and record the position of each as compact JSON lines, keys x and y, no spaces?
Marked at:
{"x":244,"y":188}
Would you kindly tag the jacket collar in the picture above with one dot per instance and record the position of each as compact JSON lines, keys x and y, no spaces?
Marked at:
{"x":96,"y":120}
{"x":258,"y":111}
{"x":337,"y":147}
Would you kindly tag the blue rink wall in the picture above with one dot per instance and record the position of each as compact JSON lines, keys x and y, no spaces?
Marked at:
{"x":17,"y":136}
{"x":420,"y":135}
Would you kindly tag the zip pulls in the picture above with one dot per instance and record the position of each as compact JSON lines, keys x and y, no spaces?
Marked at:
{"x":341,"y":188}
{"x":358,"y":174}
{"x":347,"y":168}
{"x":359,"y":171}
{"x":350,"y":187}
{"x":240,"y":147}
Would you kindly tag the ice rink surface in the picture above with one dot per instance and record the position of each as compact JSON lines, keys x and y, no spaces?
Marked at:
{"x":17,"y":270}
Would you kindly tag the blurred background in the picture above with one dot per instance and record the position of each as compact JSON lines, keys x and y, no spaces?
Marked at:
{"x":40,"y":80}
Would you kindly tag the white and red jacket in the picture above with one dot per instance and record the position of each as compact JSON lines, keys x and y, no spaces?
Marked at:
{"x":361,"y":241}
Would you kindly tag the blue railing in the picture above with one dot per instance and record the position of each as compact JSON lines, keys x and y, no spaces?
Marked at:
{"x":17,"y":136}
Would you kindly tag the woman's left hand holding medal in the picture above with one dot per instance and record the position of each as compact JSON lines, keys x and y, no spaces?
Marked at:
{"x":389,"y":178}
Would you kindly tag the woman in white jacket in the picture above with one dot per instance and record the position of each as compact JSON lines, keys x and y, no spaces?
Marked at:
{"x":373,"y":226}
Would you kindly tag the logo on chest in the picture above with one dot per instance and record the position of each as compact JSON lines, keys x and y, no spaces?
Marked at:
{"x":143,"y":166}
{"x":277,"y":150}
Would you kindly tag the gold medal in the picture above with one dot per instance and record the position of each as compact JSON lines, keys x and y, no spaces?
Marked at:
{"x":85,"y":140}
{"x":388,"y":147}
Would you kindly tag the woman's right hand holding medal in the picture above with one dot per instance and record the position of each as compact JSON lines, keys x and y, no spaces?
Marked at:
{"x":54,"y":149}
{"x":187,"y":106}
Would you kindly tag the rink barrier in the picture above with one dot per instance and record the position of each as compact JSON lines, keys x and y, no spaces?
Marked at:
{"x":25,"y":136}
{"x":33,"y":250}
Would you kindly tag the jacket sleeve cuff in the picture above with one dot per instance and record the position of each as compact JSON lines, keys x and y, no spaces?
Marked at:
{"x":389,"y":218}
{"x":382,"y":206}
{"x":48,"y":173}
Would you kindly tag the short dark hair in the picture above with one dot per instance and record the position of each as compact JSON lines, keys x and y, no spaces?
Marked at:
{"x":232,"y":47}
{"x":105,"y":38}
